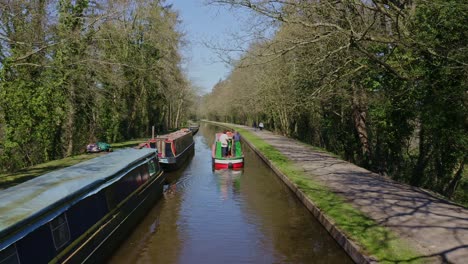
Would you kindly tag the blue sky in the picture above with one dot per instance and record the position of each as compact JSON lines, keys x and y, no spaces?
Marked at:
{"x":202,"y":24}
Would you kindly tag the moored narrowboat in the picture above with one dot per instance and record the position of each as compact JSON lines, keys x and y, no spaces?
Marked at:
{"x":234,"y":158}
{"x":81,"y":213}
{"x":173,"y":149}
{"x":194,"y":128}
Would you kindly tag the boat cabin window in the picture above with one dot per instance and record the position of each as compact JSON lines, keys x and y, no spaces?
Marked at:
{"x":168,"y":150}
{"x":9,"y":255}
{"x":153,"y":145}
{"x":60,"y":231}
{"x":152,"y":167}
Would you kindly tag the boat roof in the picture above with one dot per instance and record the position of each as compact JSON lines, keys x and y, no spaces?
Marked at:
{"x":175,"y":135}
{"x":52,"y":193}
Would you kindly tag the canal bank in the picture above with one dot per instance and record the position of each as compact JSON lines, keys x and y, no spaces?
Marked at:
{"x":373,"y":218}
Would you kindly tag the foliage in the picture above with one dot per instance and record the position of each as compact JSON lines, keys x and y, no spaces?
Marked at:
{"x":78,"y":71}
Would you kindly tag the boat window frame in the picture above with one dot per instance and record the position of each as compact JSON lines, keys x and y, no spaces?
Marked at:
{"x":2,"y":261}
{"x":152,"y":167}
{"x":52,"y":229}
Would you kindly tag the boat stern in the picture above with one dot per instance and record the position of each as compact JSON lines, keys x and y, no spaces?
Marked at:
{"x":229,"y":163}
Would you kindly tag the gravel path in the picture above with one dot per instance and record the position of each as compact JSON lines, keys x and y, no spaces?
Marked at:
{"x":436,"y":228}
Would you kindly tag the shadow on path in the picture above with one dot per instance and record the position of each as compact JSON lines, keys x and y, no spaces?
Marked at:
{"x":437,"y":228}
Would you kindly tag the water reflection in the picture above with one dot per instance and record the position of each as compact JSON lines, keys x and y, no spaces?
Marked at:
{"x":228,"y":182}
{"x":227,"y":216}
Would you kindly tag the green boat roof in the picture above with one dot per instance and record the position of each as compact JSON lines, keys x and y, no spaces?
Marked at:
{"x":58,"y":190}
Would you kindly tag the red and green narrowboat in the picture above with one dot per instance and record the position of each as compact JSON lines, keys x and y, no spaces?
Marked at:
{"x":234,"y":159}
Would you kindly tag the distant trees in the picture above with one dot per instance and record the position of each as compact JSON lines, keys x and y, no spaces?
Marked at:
{"x":382,"y":83}
{"x":76,"y":71}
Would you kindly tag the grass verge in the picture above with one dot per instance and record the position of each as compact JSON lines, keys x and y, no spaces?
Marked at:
{"x":9,"y":179}
{"x":374,"y":239}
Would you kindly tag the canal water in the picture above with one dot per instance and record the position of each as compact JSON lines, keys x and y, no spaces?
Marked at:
{"x":228,"y":216}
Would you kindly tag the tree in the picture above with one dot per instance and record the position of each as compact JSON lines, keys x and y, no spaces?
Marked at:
{"x":78,"y":71}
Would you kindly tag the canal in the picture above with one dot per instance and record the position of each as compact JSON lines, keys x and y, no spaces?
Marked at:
{"x":228,"y":216}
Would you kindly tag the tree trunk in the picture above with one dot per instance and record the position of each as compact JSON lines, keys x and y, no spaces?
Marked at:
{"x":70,"y":122}
{"x":423,"y":158}
{"x":452,"y":187}
{"x":169,"y":115}
{"x":359,"y":118}
{"x":179,"y":108}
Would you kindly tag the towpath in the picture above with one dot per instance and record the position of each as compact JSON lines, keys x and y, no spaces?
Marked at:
{"x":436,"y":228}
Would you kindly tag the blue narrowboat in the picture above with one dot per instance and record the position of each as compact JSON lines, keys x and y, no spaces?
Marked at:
{"x":81,"y":213}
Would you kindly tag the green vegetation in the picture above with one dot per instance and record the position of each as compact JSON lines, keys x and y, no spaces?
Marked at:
{"x":11,"y":179}
{"x":73,"y":72}
{"x":461,"y":194}
{"x":380,"y":83}
{"x":128,"y":144}
{"x":376,"y":240}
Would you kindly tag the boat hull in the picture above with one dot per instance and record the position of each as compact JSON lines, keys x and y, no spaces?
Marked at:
{"x":233,"y":163}
{"x":174,"y":163}
{"x":99,"y":243}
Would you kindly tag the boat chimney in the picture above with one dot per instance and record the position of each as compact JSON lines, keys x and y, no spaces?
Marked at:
{"x":152,"y":132}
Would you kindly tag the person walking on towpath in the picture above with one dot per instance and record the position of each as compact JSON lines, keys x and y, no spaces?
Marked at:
{"x":260,"y":125}
{"x":224,"y":143}
{"x":255,"y":125}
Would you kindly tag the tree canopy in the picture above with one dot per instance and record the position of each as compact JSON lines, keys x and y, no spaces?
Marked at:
{"x":78,"y":71}
{"x":381,"y":83}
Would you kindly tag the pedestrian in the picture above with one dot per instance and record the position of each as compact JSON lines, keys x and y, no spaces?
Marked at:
{"x":255,"y":125}
{"x":260,"y":125}
{"x":224,"y":143}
